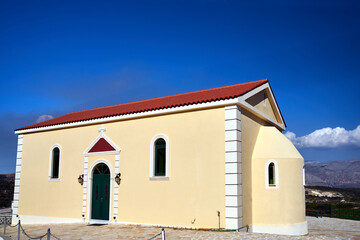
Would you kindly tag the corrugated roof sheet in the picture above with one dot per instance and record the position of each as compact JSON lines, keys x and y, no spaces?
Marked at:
{"x":208,"y":95}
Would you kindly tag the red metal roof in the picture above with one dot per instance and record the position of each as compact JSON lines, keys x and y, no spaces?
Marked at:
{"x":208,"y":95}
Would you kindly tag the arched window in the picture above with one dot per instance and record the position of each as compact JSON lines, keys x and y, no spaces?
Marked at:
{"x":271,"y":174}
{"x":303,"y":172}
{"x":159,"y":158}
{"x":54,"y":171}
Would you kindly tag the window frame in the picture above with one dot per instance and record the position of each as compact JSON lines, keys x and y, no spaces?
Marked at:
{"x":303,"y":176}
{"x":275,"y":174}
{"x":50,"y":176}
{"x":153,"y":158}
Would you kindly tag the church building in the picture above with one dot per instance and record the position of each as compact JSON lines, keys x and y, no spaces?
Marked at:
{"x":210,"y":159}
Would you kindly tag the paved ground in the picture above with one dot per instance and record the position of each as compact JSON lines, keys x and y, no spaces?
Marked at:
{"x":319,"y":228}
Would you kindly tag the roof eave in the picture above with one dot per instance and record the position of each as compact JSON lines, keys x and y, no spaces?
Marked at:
{"x":192,"y":107}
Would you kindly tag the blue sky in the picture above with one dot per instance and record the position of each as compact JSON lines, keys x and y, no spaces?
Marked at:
{"x":59,"y":56}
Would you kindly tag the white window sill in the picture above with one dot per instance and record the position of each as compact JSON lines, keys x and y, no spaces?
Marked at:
{"x":159,"y":178}
{"x":54,"y":179}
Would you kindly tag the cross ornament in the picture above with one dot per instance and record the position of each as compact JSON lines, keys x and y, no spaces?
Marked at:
{"x":102,"y":129}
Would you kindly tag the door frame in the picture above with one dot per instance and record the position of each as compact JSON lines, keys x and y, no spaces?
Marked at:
{"x":89,"y":196}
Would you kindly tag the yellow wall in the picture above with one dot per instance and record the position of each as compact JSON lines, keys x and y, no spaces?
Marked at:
{"x":284,"y":205}
{"x":261,"y":206}
{"x":250,"y":127}
{"x":38,"y":196}
{"x":196,"y":185}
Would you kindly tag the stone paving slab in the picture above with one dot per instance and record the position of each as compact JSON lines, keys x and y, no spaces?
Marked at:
{"x":319,"y":228}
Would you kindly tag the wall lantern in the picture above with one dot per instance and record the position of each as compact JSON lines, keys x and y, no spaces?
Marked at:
{"x":81,"y":179}
{"x":117,"y":178}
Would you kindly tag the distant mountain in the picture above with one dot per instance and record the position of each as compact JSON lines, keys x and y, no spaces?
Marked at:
{"x":338,"y":174}
{"x":6,"y":189}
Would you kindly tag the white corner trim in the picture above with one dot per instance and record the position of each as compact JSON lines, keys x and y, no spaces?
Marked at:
{"x":28,"y":219}
{"x":116,"y":189}
{"x":152,"y":158}
{"x":276,"y":175}
{"x":50,"y":178}
{"x":233,"y":168}
{"x":293,"y":229}
{"x":89,"y":186}
{"x":85,"y":188}
{"x":15,"y":205}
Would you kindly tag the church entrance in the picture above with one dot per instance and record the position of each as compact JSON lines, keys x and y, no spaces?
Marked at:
{"x":100,"y":199}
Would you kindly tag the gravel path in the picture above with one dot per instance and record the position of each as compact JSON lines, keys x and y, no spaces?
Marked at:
{"x":319,"y":228}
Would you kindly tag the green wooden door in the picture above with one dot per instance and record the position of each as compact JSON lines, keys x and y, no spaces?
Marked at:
{"x":100,"y":192}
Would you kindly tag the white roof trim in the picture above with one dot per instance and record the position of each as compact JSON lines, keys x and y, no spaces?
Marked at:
{"x":134,"y":115}
{"x":241,"y":101}
{"x":252,"y":109}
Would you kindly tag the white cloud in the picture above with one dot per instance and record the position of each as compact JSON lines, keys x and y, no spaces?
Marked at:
{"x":327,"y":138}
{"x":44,"y":118}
